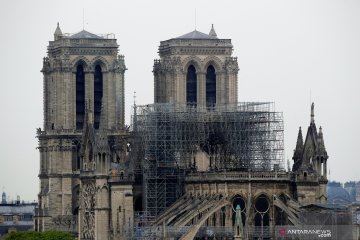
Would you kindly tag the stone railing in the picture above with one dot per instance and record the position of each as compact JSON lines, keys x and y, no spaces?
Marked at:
{"x":105,"y":40}
{"x":73,"y":132}
{"x":40,"y":132}
{"x":198,"y":42}
{"x":237,"y":176}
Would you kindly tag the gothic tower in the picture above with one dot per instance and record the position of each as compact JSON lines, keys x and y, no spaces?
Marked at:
{"x":310,"y":165}
{"x":196,"y":69}
{"x":81,"y":71}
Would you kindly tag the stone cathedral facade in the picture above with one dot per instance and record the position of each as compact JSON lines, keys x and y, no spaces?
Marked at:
{"x":94,"y":184}
{"x":84,"y":140}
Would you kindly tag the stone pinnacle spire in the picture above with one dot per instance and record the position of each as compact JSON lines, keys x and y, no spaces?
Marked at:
{"x":299,"y":146}
{"x":212,"y":31}
{"x":299,"y":142}
{"x":298,"y":152}
{"x":312,"y":120}
{"x":57,"y":33}
{"x":321,"y":144}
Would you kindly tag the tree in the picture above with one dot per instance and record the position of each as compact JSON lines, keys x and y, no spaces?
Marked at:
{"x":47,"y":235}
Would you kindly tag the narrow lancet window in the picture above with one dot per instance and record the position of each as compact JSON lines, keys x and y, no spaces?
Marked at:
{"x":210,"y":87}
{"x":80,"y":97}
{"x":191,"y":88}
{"x":98,"y":93}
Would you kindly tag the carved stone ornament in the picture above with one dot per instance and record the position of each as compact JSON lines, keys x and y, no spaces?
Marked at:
{"x":119,"y":64}
{"x":88,"y":198}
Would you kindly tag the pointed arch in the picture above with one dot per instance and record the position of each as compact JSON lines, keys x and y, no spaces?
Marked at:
{"x":240,"y":200}
{"x":102,"y":62}
{"x":192,"y":60}
{"x":215,"y":62}
{"x":80,"y":60}
{"x":262,"y":206}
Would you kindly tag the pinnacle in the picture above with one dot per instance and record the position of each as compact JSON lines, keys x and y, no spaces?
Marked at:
{"x":212,"y":31}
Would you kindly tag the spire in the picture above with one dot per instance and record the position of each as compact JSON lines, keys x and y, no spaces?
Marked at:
{"x":299,"y":147}
{"x":212,"y":32}
{"x":299,"y":142}
{"x":312,"y":120}
{"x":321,"y":145}
{"x":57,"y":33}
{"x":3,"y":198}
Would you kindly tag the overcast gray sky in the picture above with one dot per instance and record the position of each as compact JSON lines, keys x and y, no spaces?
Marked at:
{"x":286,"y":49}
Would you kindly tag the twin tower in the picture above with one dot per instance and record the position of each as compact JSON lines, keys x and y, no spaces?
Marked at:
{"x":84,"y":70}
{"x":85,"y":181}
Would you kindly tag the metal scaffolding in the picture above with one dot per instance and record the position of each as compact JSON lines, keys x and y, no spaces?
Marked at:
{"x":244,"y":136}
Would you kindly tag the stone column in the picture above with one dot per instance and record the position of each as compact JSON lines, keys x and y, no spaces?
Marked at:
{"x":118,"y":77}
{"x":47,"y":109}
{"x":89,"y":90}
{"x":107,"y":102}
{"x":177,"y":86}
{"x":218,"y":218}
{"x":68,"y":101}
{"x":228,"y":216}
{"x":225,"y":90}
{"x":231,"y":88}
{"x":236,"y":87}
{"x":201,"y":89}
{"x":169,"y":92}
{"x":182,"y":88}
{"x":55,"y":108}
{"x":102,"y":210}
{"x":219,"y":88}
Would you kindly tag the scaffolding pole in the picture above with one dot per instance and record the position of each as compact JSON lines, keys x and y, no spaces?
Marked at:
{"x":242,"y":136}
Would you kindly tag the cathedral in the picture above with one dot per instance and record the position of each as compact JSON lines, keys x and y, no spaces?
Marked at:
{"x":195,"y":164}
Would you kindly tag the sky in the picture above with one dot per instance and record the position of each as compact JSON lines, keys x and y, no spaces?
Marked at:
{"x":289,"y":52}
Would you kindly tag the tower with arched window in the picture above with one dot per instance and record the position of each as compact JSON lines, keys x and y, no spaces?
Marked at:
{"x":83,"y":136}
{"x":196,"y":69}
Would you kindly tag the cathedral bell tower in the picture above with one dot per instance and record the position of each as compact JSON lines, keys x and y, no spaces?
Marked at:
{"x":80,"y":71}
{"x":196,"y":69}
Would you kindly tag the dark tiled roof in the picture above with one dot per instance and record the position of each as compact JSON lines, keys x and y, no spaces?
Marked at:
{"x":85,"y":34}
{"x":196,"y":35}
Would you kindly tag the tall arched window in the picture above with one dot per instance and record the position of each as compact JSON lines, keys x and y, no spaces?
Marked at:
{"x":210,"y":87}
{"x":98,"y":93}
{"x":80,"y":97}
{"x":191,"y":88}
{"x":262,"y":217}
